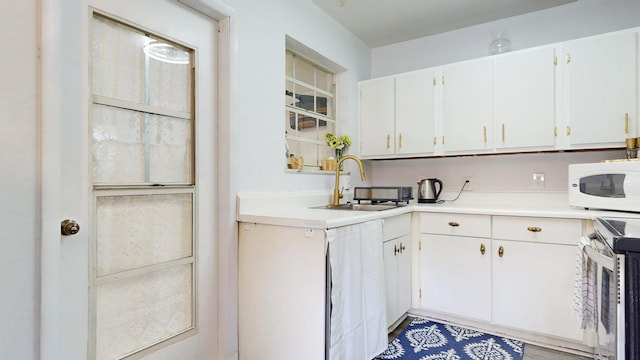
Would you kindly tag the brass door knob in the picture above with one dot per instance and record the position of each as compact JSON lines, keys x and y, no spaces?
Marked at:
{"x":482,"y":249}
{"x":69,"y":227}
{"x":500,"y":251}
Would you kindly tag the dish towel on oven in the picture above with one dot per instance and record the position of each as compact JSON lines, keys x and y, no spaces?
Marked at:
{"x":358,"y":309}
{"x":585,"y":288}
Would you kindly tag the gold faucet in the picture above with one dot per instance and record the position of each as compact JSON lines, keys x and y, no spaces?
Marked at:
{"x":337,"y":194}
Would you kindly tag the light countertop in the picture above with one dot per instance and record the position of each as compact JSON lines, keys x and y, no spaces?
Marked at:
{"x":295,"y":209}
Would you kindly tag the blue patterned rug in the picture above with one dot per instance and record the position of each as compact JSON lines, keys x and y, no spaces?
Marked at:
{"x":429,"y":340}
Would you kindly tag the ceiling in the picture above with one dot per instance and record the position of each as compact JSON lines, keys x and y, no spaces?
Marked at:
{"x":384,"y":22}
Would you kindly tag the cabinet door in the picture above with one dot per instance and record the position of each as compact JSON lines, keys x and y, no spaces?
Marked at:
{"x":524,"y":90}
{"x":455,"y":275}
{"x":533,"y":287}
{"x":415,"y":112}
{"x":468,"y":106}
{"x":404,"y":275}
{"x":601,"y":89}
{"x":397,"y":269}
{"x":377,"y":131}
{"x":389,"y":249}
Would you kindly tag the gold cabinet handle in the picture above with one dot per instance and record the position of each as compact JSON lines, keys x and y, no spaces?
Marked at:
{"x":568,"y":130}
{"x":534,"y":229}
{"x":388,"y":141}
{"x":435,"y":80}
{"x":482,"y":249}
{"x":402,"y":248}
{"x":568,"y":58}
{"x":395,"y":250}
{"x":501,"y":251}
{"x":442,"y":139}
{"x":502,"y":133}
{"x":453,"y":224}
{"x":484,"y":129}
{"x":400,"y":141}
{"x":626,"y":123}
{"x":555,"y":131}
{"x":435,"y":140}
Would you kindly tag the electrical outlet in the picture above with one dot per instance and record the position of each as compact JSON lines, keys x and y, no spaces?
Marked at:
{"x":538,"y":181}
{"x":469,"y":185}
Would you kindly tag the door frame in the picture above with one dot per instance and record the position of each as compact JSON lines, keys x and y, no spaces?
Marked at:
{"x":51,"y":109}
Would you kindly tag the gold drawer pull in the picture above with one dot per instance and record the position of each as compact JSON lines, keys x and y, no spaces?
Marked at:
{"x":388,"y":141}
{"x":500,"y":251}
{"x":453,"y":224}
{"x":534,"y":229}
{"x":482,"y":249}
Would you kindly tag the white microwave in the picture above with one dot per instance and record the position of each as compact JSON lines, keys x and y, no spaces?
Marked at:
{"x":606,"y":185}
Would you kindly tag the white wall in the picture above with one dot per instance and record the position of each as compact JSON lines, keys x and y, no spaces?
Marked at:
{"x":256,"y":131}
{"x":494,"y":173}
{"x":499,"y":172}
{"x":19,"y":169}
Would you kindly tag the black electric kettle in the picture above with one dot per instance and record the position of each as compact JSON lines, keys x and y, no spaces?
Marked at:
{"x":429,"y":190}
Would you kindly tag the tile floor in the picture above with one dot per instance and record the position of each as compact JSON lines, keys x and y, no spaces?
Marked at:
{"x":531,"y":352}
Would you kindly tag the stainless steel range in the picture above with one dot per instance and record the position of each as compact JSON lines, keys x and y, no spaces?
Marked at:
{"x":615,"y":247}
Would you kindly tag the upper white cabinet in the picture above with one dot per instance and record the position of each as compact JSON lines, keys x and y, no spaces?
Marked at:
{"x":600,"y":89}
{"x":467,"y":106}
{"x":579,"y":94}
{"x":377,"y":113}
{"x":397,"y":115}
{"x":524,"y":91}
{"x":415,"y":115}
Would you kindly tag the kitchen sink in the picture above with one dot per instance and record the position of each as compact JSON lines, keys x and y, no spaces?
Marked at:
{"x":359,"y":207}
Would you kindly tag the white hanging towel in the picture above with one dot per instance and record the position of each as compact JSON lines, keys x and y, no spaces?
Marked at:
{"x":585,"y":288}
{"x":358,"y":315}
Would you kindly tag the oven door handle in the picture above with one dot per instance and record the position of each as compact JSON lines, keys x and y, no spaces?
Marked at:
{"x":598,"y":257}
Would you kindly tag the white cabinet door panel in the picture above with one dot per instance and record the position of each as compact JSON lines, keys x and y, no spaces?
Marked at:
{"x":533,"y":288}
{"x":415,"y":112}
{"x":601,"y":88}
{"x":524,"y":90}
{"x":377,"y":112}
{"x":455,"y":276}
{"x":468,"y":106}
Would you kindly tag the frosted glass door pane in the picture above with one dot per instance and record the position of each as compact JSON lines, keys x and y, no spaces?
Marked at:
{"x":122,"y":70}
{"x":117,"y":61}
{"x":118,"y":145}
{"x":170,"y":158}
{"x":133,"y":313}
{"x":130,"y":147}
{"x":136,"y":231}
{"x":170,"y":85}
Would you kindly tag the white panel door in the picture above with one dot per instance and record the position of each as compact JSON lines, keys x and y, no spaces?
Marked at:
{"x":415,"y":112}
{"x":455,"y":275}
{"x":468,"y":106}
{"x":533,"y":288}
{"x":69,"y":178}
{"x":377,"y":129}
{"x":600,"y":88}
{"x":524,"y":90}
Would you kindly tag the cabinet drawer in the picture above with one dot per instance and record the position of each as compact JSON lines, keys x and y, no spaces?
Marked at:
{"x":456,"y":224}
{"x":396,"y":226}
{"x":546,"y":230}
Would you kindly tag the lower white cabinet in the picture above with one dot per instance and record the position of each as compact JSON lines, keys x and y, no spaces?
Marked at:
{"x":456,"y":275}
{"x":533,"y":274}
{"x":516,"y":272}
{"x":282,"y":292}
{"x":397,"y":266}
{"x":455,"y":267}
